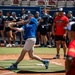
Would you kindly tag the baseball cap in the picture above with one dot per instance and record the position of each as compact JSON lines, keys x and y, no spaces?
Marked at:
{"x":60,"y":10}
{"x":37,"y":12}
{"x":13,"y":13}
{"x":28,"y":12}
{"x":71,"y":26}
{"x":70,"y":12}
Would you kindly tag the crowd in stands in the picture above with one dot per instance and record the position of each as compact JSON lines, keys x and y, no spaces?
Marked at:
{"x":45,"y":37}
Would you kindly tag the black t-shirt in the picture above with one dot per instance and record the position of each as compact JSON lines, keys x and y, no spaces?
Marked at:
{"x":71,"y":18}
{"x":24,"y":16}
{"x":50,"y":21}
{"x":9,"y":18}
{"x":38,"y":18}
{"x":47,"y":19}
{"x":2,"y":19}
{"x":16,"y":19}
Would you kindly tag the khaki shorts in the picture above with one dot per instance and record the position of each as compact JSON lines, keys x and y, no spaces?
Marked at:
{"x":29,"y":44}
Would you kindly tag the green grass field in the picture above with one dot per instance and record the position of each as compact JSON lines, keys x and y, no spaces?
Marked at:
{"x":30,"y":65}
{"x":17,"y":50}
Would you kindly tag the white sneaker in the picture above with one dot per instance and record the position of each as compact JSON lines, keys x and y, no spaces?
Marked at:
{"x":49,"y":46}
{"x":13,"y":45}
{"x":8,"y":45}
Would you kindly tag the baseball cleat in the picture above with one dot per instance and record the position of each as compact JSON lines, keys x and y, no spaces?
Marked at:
{"x":57,"y":57}
{"x":46,"y":63}
{"x":12,"y":67}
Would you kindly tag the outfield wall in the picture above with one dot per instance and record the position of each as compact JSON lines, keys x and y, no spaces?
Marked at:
{"x":17,"y":9}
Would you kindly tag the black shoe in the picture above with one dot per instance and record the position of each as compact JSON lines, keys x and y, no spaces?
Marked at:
{"x":12,"y":67}
{"x":41,"y":45}
{"x":57,"y":57}
{"x":5,"y":44}
{"x":45,"y":45}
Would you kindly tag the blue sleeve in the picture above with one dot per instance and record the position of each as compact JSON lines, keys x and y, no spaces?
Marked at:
{"x":24,"y":26}
{"x":34,"y":21}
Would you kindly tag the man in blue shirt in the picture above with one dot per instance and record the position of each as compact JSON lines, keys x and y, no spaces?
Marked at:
{"x":29,"y":28}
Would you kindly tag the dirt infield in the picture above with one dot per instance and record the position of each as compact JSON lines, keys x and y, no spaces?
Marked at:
{"x":49,"y":57}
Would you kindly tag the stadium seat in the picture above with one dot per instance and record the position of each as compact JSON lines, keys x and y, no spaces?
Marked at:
{"x":70,"y":3}
{"x":61,"y":3}
{"x":25,"y":3}
{"x":15,"y":1}
{"x":1,"y":2}
{"x":7,"y":2}
{"x":40,"y":2}
{"x":33,"y":2}
{"x":52,"y":3}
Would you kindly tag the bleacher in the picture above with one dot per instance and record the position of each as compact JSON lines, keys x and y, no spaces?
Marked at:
{"x":51,"y":3}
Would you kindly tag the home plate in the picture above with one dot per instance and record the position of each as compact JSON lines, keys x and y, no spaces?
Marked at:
{"x":40,"y":64}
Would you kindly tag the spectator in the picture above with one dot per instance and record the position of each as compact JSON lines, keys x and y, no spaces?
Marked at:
{"x":49,"y":28}
{"x":70,"y":16}
{"x":43,"y":22}
{"x":37,"y":16}
{"x":23,"y":17}
{"x":8,"y":30}
{"x":55,"y":14}
{"x":15,"y":19}
{"x":15,"y":1}
{"x":60,"y":34}
{"x":2,"y":19}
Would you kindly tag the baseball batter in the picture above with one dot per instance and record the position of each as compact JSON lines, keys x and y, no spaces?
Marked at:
{"x":29,"y":28}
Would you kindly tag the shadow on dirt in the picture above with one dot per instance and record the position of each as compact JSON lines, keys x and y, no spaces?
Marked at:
{"x":40,"y":72}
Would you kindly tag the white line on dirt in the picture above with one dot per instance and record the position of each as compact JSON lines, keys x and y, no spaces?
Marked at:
{"x":6,"y":73}
{"x":57,"y":63}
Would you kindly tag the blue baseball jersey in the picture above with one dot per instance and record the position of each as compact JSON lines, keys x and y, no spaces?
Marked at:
{"x":30,"y":29}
